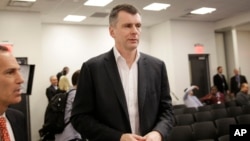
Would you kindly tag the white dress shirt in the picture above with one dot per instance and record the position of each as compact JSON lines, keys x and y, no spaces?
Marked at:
{"x":129,"y":78}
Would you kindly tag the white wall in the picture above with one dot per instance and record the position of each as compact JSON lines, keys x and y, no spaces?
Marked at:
{"x":161,"y":47}
{"x":220,"y":52}
{"x":244,"y":53}
{"x":184,"y":35}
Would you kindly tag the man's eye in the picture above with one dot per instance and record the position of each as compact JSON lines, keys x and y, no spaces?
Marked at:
{"x":10,"y":72}
{"x":128,"y":25}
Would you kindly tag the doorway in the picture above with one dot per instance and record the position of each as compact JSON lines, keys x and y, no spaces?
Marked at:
{"x":199,"y":73}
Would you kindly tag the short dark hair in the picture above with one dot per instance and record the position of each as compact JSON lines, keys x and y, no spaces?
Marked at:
{"x":75,"y":77}
{"x":122,"y":7}
{"x":219,"y":67}
{"x":65,"y":70}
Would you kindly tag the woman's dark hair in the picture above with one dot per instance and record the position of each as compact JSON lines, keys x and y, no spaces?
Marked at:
{"x":75,"y":77}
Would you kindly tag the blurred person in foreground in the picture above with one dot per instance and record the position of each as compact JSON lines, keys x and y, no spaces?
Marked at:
{"x":123,"y":95}
{"x":10,"y":93}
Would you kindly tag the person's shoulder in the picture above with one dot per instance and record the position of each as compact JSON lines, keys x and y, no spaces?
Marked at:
{"x":216,"y":75}
{"x":14,"y":112}
{"x":49,"y":87}
{"x":150,"y":58}
{"x":239,"y":94}
{"x":98,"y":58}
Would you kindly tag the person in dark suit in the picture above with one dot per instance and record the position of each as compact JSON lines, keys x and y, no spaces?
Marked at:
{"x":236,"y":81}
{"x":10,"y":93}
{"x":123,"y":94}
{"x":220,"y":81}
{"x":52,"y":90}
{"x":243,"y":98}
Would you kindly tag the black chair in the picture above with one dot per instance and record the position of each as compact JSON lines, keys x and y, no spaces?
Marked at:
{"x":230,"y":103}
{"x":243,"y":119}
{"x":224,"y":138}
{"x":218,"y":106}
{"x":179,"y":106}
{"x":178,"y":111}
{"x":204,"y":108}
{"x":219,"y":113}
{"x":181,"y":133}
{"x":246,"y":109}
{"x":204,"y":130}
{"x":222,"y":125}
{"x":190,"y":110}
{"x":203,"y":116}
{"x":184,"y":119}
{"x":234,"y":111}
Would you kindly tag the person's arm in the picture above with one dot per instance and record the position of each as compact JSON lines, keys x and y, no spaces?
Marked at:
{"x":83,"y":116}
{"x":49,"y":94}
{"x":188,"y":90}
{"x":206,"y":98}
{"x":244,"y":79}
{"x":165,"y":119}
{"x":239,"y":99}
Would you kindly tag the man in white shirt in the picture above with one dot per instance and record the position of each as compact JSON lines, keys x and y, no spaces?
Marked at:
{"x":190,"y":99}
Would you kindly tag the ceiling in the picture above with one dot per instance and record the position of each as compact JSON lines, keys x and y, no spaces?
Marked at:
{"x":53,"y":11}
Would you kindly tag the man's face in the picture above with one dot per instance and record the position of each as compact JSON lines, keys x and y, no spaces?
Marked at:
{"x":126,"y":31}
{"x":10,"y":79}
{"x":236,"y":72}
{"x":213,"y":90}
{"x":54,"y":80}
{"x":220,"y":70}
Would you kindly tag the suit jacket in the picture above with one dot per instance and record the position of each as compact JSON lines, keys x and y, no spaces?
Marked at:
{"x":18,"y":124}
{"x":218,"y":82}
{"x":234,"y":84}
{"x":242,"y":99}
{"x":100,"y":109}
{"x":50,"y":92}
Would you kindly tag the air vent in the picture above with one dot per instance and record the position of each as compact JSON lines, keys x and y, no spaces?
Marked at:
{"x":188,"y":15}
{"x":99,"y":15}
{"x":20,"y":3}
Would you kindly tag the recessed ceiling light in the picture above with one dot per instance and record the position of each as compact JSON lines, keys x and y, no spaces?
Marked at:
{"x":97,"y":2}
{"x":74,"y":18}
{"x":156,"y":6}
{"x":203,"y":10}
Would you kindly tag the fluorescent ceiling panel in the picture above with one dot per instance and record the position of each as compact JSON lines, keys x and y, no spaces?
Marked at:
{"x":156,"y":6}
{"x":100,"y":3}
{"x":203,"y":10}
{"x":74,"y":18}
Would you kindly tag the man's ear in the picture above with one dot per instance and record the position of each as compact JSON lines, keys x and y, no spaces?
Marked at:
{"x":111,"y":31}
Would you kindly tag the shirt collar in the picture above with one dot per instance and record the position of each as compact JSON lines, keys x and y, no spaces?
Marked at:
{"x":3,"y":115}
{"x":118,"y":55}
